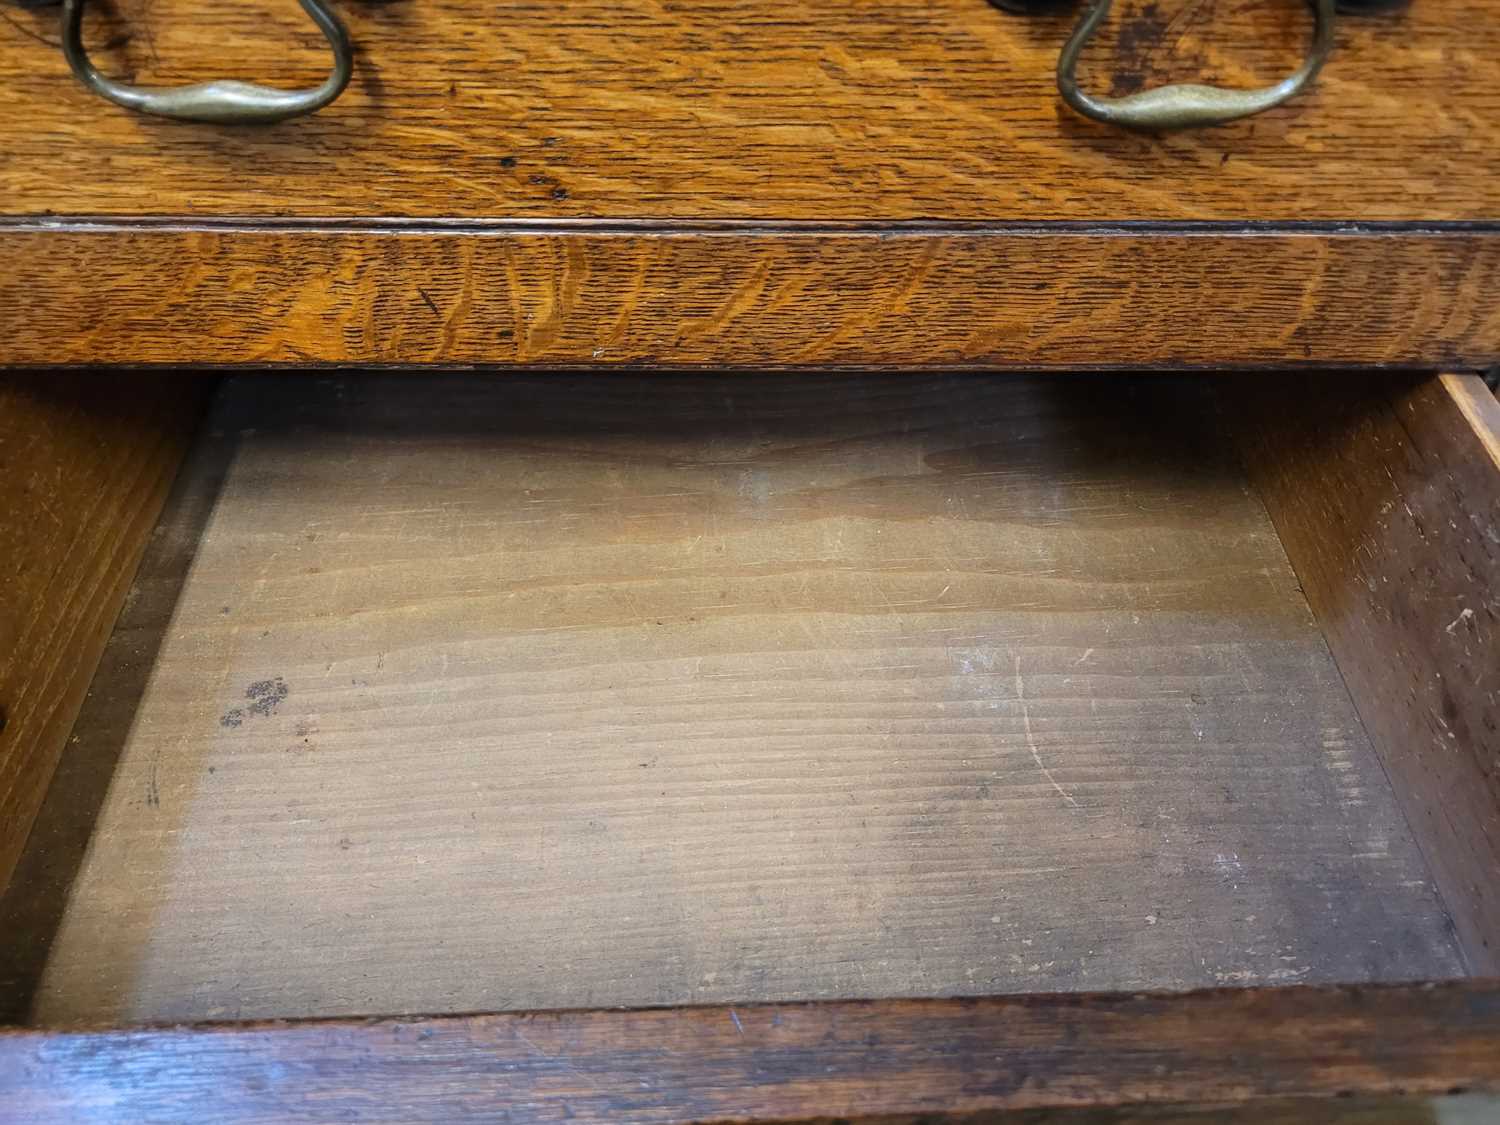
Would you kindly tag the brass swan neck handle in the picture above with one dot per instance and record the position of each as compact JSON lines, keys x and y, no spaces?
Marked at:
{"x":1186,"y":105}
{"x":223,"y":101}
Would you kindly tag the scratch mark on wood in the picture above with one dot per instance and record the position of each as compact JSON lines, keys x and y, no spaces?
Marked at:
{"x":1031,"y":739}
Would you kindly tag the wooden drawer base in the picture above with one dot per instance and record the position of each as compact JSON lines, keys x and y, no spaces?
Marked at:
{"x":441,"y":694}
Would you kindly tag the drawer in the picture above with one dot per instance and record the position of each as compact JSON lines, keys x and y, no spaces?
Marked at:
{"x":886,"y":184}
{"x":762,"y":747}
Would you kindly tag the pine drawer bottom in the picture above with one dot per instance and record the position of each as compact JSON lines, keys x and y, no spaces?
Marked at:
{"x":449,"y":694}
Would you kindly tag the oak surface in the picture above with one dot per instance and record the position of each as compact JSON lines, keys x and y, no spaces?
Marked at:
{"x":1410,"y":1055}
{"x":902,"y":297}
{"x":1388,"y":502}
{"x":85,"y":464}
{"x":605,"y":114}
{"x":673,"y":109}
{"x":565,"y":691}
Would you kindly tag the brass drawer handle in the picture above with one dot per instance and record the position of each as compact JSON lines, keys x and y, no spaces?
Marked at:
{"x":1186,"y":105}
{"x":225,"y":101}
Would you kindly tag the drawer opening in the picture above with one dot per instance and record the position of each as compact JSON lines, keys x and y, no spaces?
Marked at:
{"x":448,"y":693}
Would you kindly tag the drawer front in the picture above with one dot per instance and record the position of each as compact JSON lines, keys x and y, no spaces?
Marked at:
{"x":500,"y":296}
{"x":746,"y":109}
{"x":730,"y":183}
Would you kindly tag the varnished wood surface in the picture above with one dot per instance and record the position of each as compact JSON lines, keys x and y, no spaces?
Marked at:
{"x":569,"y":691}
{"x":844,"y":109}
{"x":742,"y":297}
{"x":1389,"y":505}
{"x":1236,"y":1049}
{"x":85,"y":464}
{"x":740,"y":110}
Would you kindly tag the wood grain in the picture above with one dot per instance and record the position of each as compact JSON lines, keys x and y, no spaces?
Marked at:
{"x":845,"y":109}
{"x":568,"y":691}
{"x":85,"y":464}
{"x":1478,"y":406}
{"x":738,"y":297}
{"x":1388,"y":502}
{"x":1239,"y":1050}
{"x":33,"y":904}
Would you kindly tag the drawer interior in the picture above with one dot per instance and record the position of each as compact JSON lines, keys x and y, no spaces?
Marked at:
{"x":450,"y":693}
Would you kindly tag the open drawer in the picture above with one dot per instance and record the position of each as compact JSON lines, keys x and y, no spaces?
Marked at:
{"x":882,"y":746}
